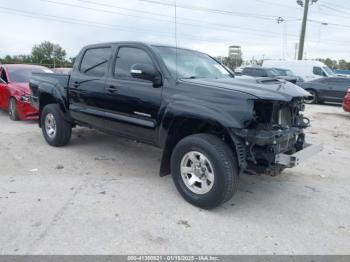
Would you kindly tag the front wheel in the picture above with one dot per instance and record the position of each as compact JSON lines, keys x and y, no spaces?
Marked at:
{"x":56,"y":130}
{"x":204,"y":170}
{"x":12,"y":110}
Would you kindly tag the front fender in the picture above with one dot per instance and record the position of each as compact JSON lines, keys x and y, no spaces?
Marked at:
{"x":181,"y":119}
{"x":232,"y":115}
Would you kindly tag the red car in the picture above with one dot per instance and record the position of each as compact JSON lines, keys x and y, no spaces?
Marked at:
{"x":346,"y":101}
{"x":15,"y":92}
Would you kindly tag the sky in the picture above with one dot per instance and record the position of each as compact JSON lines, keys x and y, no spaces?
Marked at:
{"x":204,"y":25}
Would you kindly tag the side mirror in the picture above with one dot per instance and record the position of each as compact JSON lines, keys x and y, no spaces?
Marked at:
{"x":146,"y":72}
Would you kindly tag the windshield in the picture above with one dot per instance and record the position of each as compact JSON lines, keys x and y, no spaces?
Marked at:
{"x":191,"y":64}
{"x":328,"y":71}
{"x":23,"y":74}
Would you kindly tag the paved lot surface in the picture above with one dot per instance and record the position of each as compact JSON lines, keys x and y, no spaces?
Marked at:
{"x":103,"y":195}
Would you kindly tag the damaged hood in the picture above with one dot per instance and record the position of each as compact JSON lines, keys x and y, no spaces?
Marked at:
{"x":263,"y":88}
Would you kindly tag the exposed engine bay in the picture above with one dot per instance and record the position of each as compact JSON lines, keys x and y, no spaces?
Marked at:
{"x":276,"y":127}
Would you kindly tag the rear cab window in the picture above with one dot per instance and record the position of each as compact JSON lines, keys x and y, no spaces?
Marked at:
{"x":95,"y":61}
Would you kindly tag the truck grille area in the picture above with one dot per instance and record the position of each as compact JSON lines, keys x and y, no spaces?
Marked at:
{"x":269,"y":115}
{"x":276,"y":127}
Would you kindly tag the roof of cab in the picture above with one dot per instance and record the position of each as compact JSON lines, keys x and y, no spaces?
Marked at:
{"x":148,"y":44}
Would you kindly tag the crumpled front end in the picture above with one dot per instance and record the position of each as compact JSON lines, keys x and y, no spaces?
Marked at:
{"x":275,"y":133}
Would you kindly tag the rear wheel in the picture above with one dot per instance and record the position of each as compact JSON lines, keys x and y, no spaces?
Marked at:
{"x":204,"y":170}
{"x":313,"y":99}
{"x":56,"y":130}
{"x":12,"y":110}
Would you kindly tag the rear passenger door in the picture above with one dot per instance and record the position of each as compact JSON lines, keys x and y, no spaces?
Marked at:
{"x":87,"y":86}
{"x":134,"y":103}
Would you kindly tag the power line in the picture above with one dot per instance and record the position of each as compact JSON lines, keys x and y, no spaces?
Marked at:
{"x":328,"y":24}
{"x":69,"y":20}
{"x":228,"y":28}
{"x":273,"y":3}
{"x":259,"y":16}
{"x":339,"y":10}
{"x":211,"y":10}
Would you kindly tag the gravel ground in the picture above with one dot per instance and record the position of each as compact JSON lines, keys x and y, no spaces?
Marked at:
{"x":102,"y":195}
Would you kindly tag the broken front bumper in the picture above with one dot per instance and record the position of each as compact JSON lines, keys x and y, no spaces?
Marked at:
{"x":271,"y":151}
{"x":298,"y":157}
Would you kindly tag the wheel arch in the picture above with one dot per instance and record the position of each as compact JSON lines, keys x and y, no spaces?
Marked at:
{"x":47,"y":98}
{"x":317,"y":92}
{"x":183,"y":126}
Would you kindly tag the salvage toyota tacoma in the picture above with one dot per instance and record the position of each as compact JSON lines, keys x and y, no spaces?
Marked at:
{"x":211,"y":126}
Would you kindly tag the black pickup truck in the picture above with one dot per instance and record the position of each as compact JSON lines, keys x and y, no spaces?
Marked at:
{"x":211,"y":126}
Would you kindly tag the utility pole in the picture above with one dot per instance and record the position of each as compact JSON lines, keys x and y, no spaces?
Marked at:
{"x":296,"y":50}
{"x":306,"y":5}
{"x":303,"y":30}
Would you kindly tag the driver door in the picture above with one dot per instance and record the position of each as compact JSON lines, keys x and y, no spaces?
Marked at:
{"x":4,"y":94}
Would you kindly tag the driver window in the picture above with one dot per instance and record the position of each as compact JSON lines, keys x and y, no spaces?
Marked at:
{"x":318,"y":71}
{"x":127,"y":57}
{"x":3,"y":75}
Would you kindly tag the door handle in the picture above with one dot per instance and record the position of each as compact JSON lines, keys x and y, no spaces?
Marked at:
{"x":112,"y":89}
{"x":76,"y":84}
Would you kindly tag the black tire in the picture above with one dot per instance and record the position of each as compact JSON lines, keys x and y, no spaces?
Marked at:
{"x":12,"y":110}
{"x":224,"y":162}
{"x":314,"y":95}
{"x":63,"y":129}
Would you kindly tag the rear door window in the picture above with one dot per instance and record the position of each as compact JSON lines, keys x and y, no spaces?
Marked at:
{"x":95,"y":61}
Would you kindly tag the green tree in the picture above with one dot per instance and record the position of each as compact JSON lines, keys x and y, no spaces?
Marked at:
{"x":48,"y":53}
{"x":329,"y":62}
{"x":17,"y":59}
{"x":232,"y":62}
{"x":342,"y":64}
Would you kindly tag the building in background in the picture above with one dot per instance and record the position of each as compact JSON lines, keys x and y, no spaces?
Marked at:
{"x":235,"y":55}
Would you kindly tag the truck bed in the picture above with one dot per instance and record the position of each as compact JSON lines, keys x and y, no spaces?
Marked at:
{"x":58,"y":80}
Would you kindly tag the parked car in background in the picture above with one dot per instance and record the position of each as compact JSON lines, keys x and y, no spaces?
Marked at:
{"x":288,"y":72}
{"x":15,"y":92}
{"x":307,"y":70}
{"x":346,"y":101}
{"x":327,"y":89}
{"x":238,"y":70}
{"x":257,"y":71}
{"x":62,"y":70}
